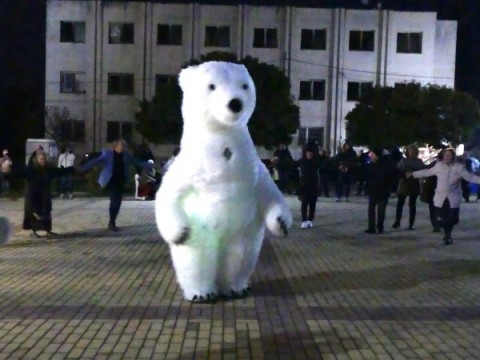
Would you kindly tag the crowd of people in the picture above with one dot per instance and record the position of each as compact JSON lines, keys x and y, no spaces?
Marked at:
{"x":378,"y":174}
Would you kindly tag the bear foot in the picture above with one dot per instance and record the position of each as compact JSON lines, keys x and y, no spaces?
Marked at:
{"x":207,"y":299}
{"x":238,"y":294}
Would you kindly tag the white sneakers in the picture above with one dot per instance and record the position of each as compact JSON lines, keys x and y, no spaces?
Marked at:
{"x":306,"y":225}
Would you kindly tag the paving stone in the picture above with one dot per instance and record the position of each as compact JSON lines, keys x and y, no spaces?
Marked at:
{"x":329,"y":292}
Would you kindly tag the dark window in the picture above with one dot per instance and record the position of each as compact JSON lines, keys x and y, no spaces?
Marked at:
{"x":355,"y":90}
{"x":312,"y":90}
{"x":119,"y":130}
{"x":127,"y":131}
{"x":120,"y":33}
{"x":113,"y":131}
{"x":313,"y":39}
{"x":265,"y":38}
{"x":73,"y":130}
{"x":72,"y":31}
{"x":409,"y":43}
{"x":310,"y":134}
{"x":120,"y":84}
{"x":169,"y":34}
{"x":217,"y":36}
{"x":362,"y":40}
{"x":72,"y":82}
{"x":161,"y":79}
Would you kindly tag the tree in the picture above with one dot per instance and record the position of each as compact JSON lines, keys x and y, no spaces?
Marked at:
{"x":410,"y":113}
{"x":275,"y":119}
{"x":55,"y":119}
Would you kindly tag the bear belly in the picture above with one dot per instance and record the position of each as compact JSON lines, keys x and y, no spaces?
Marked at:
{"x":221,"y":211}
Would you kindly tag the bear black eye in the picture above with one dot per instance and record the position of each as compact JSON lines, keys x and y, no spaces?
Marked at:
{"x":211,"y":87}
{"x":245,"y":87}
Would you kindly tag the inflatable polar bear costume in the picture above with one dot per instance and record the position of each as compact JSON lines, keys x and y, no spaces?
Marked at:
{"x":217,"y":195}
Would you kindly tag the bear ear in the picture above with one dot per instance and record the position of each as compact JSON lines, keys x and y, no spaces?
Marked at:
{"x":187,"y":76}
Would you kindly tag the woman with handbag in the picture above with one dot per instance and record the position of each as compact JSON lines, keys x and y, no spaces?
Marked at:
{"x":308,"y":192}
{"x":408,"y":187}
{"x":448,"y":193}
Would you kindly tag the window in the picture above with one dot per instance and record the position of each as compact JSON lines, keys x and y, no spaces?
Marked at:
{"x":357,"y":89}
{"x":72,"y":82}
{"x":120,"y":84}
{"x":119,"y":130}
{"x":362,"y":40}
{"x":161,"y":79}
{"x":73,"y":130}
{"x":313,"y":39}
{"x":169,"y":34}
{"x":120,"y":33}
{"x":409,"y":43}
{"x":217,"y":36}
{"x":265,"y":38}
{"x":312,"y":90}
{"x":310,"y":134}
{"x":72,"y":31}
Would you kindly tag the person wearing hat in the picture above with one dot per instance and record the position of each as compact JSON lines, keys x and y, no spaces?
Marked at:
{"x":308,"y":191}
{"x":448,"y":193}
{"x":379,"y":176}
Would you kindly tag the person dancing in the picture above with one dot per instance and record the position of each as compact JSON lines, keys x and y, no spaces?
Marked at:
{"x":114,"y":175}
{"x":448,"y":193}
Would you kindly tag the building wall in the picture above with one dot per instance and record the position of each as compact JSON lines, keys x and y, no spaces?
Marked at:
{"x":336,"y":64}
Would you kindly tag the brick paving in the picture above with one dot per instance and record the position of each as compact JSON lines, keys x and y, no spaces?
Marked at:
{"x":331,"y":292}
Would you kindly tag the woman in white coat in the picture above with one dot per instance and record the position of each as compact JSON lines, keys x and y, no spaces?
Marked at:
{"x":448,"y":194}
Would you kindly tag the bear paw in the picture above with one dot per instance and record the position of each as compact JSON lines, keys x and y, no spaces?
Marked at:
{"x":283,"y":226}
{"x":183,"y":237}
{"x":278,"y":220}
{"x":204,"y":299}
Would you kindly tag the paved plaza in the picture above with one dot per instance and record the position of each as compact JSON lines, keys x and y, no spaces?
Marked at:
{"x":331,"y":292}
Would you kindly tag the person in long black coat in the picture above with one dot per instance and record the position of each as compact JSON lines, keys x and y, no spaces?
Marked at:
{"x":308,"y":191}
{"x":38,"y":197}
{"x":379,"y":177}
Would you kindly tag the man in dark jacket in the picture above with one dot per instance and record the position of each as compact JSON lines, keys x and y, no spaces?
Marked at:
{"x":346,"y":161}
{"x":282,"y":160}
{"x":380,"y":173}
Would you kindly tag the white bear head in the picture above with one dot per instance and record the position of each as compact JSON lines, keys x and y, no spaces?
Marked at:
{"x":217,"y":94}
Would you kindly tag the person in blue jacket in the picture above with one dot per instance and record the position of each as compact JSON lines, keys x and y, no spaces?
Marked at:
{"x":114,"y":175}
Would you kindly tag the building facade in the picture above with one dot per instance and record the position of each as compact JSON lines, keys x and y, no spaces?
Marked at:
{"x":103,"y":57}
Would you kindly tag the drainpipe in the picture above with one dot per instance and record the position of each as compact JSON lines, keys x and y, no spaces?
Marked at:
{"x":380,"y":46}
{"x":144,"y":80}
{"x":337,"y":82}
{"x":387,"y":41}
{"x":330,"y":98}
{"x":95,"y":78}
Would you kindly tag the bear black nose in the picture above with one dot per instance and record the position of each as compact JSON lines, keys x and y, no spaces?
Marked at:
{"x":235,"y":105}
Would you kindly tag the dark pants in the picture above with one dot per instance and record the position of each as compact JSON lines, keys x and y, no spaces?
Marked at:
{"x":412,"y":205}
{"x":66,"y":185}
{"x":283,"y":179}
{"x":376,"y":206}
{"x":324,"y":185}
{"x":433,"y":215}
{"x":343,"y":184}
{"x":115,"y":192}
{"x":447,"y":217}
{"x":309,"y":204}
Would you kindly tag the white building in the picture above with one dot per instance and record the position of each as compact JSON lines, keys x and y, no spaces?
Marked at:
{"x":103,"y":57}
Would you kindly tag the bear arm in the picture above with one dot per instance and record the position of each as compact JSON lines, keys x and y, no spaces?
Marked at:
{"x":171,"y":218}
{"x":273,"y":206}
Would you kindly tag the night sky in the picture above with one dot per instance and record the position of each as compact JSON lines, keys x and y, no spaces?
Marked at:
{"x":22,"y":49}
